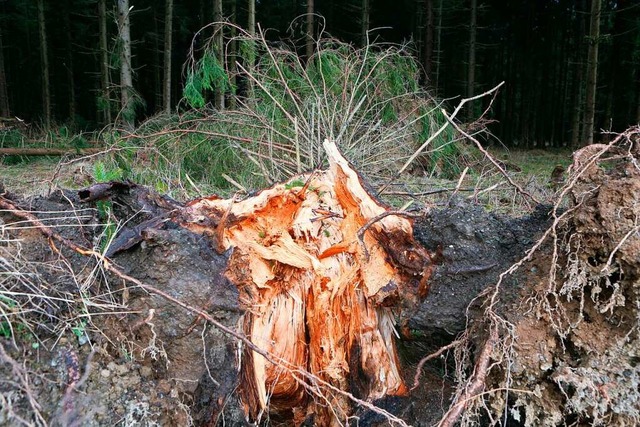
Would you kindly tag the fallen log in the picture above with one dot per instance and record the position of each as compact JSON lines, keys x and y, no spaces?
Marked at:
{"x":48,"y":151}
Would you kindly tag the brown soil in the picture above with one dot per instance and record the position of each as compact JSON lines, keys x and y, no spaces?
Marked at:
{"x":575,"y":342}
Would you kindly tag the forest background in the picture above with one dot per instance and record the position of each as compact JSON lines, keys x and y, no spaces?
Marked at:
{"x":571,"y":67}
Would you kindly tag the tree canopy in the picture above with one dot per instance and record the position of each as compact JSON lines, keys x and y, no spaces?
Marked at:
{"x":541,"y":49}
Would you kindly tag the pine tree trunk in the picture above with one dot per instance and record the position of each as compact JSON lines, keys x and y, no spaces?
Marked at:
{"x":168,"y":30}
{"x":638,"y":103}
{"x":565,"y":101}
{"x":5,"y":111}
{"x":126,"y":78}
{"x":638,"y":106}
{"x":158,"y":56}
{"x":202,"y":13}
{"x":438,"y":38}
{"x":310,"y":25}
{"x":366,"y":13}
{"x":578,"y":96}
{"x":233,"y":56}
{"x":428,"y":40}
{"x":592,"y":72}
{"x":471,"y":70}
{"x":44,"y":61}
{"x":104,"y":62}
{"x":251,"y":30}
{"x":219,"y":48}
{"x":577,"y":108}
{"x":69,"y":64}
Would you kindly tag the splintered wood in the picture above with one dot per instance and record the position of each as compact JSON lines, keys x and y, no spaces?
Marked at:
{"x":318,"y":297}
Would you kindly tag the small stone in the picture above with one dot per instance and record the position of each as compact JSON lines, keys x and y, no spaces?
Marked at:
{"x":105,"y":373}
{"x":164,"y":387}
{"x":122,"y":369}
{"x":146,"y":372}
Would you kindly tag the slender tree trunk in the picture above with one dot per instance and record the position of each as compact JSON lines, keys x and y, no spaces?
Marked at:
{"x":428,"y":40}
{"x":203,"y":14}
{"x":578,"y":77}
{"x":366,"y":13}
{"x":310,"y":26}
{"x":577,"y":108}
{"x":126,"y":78}
{"x":4,"y":96}
{"x":592,"y":72}
{"x":638,"y":101}
{"x":219,"y":48}
{"x":44,"y":61}
{"x":251,"y":23}
{"x":104,"y":62}
{"x":608,"y":112}
{"x":158,"y":56}
{"x":233,"y":56}
{"x":168,"y":30}
{"x":69,"y":63}
{"x":438,"y":46}
{"x":566,"y":94}
{"x":471,"y":70}
{"x":418,"y":30}
{"x":251,"y":30}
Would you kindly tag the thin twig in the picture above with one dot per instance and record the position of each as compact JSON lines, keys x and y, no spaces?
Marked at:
{"x":459,"y":184}
{"x":416,"y":377}
{"x":425,"y":193}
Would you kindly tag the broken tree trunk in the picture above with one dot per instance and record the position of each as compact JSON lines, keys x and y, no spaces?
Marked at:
{"x":320,"y":266}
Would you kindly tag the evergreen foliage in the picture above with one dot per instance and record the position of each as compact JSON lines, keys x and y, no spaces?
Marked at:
{"x":366,"y":99}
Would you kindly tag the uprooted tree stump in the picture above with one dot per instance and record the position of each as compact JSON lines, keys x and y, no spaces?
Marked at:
{"x":321,"y":270}
{"x":311,"y":302}
{"x":320,"y":266}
